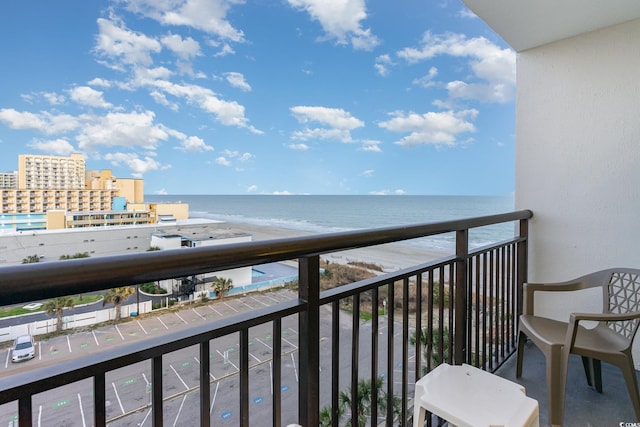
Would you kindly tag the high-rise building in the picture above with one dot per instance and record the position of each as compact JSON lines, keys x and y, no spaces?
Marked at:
{"x":8,"y":180}
{"x":51,"y":172}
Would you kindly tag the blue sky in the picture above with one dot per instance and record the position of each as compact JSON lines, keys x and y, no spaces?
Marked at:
{"x":262,"y":96}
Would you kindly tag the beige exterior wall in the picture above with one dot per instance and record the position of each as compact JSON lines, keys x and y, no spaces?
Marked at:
{"x":56,"y":220}
{"x":131,"y":189}
{"x":28,"y":201}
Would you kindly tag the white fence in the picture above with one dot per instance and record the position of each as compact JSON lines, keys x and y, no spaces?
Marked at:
{"x":70,"y":322}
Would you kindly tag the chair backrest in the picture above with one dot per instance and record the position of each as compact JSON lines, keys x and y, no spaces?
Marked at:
{"x":623,"y":296}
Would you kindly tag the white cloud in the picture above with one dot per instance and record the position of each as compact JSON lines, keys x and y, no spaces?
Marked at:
{"x":371,"y":145}
{"x":368,"y":173}
{"x":56,"y":147}
{"x":383,"y":62}
{"x":194,"y":144}
{"x":53,"y":98}
{"x":205,"y":15}
{"x":493,"y":67}
{"x":137,"y":165}
{"x":123,"y":129}
{"x":398,"y":192}
{"x":341,"y":20}
{"x":466,"y":13}
{"x":223,"y":161}
{"x":437,"y":128}
{"x":85,"y":95}
{"x":237,"y":80}
{"x":252,"y":188}
{"x":339,"y":123}
{"x":186,"y":49}
{"x":427,"y":80}
{"x":229,"y":113}
{"x":117,"y":43}
{"x":100,"y":82}
{"x":45,"y":122}
{"x":301,"y":147}
{"x":161,"y":192}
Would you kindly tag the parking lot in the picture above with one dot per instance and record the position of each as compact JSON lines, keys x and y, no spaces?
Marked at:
{"x":128,"y":388}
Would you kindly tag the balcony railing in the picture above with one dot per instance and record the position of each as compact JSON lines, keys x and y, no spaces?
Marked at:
{"x":460,"y":308}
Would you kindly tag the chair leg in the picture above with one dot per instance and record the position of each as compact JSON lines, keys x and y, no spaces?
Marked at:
{"x":522,"y":338}
{"x":593,"y":371}
{"x":629,"y":372}
{"x":556,"y":384}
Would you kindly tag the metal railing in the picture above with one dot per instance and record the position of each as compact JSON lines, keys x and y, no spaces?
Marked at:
{"x":461,"y":309}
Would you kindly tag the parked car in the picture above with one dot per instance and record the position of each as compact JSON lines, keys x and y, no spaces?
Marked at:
{"x":23,"y":349}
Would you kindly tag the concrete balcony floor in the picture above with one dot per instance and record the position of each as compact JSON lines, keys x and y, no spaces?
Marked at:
{"x":583,"y":405}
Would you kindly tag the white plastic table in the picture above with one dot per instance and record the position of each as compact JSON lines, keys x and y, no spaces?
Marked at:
{"x":470,"y":397}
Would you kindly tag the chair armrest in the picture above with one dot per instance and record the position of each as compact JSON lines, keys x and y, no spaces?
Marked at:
{"x":531,"y":288}
{"x":575,"y":318}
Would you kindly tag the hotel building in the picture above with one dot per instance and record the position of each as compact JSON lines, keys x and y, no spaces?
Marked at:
{"x":53,"y":192}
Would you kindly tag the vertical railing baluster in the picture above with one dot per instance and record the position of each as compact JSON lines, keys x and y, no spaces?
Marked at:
{"x":355,"y":355}
{"x":374,"y":355}
{"x":390,"y":348}
{"x":244,"y":377}
{"x":430,"y":304}
{"x":419,"y":343}
{"x":522,"y":250}
{"x":405,"y":349}
{"x":205,"y":384}
{"x":335,"y":361}
{"x":309,"y":326}
{"x":485,"y":313}
{"x":460,"y":285}
{"x":156,"y":382}
{"x":492,"y":302}
{"x":24,"y":411}
{"x":277,"y":372}
{"x":99,"y":400}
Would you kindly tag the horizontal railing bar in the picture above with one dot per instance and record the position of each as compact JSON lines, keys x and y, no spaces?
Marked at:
{"x":37,"y":281}
{"x":62,"y":373}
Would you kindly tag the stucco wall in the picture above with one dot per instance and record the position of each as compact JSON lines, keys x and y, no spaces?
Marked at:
{"x":578,"y":152}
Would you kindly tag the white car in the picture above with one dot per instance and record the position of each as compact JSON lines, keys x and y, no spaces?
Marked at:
{"x":23,"y":349}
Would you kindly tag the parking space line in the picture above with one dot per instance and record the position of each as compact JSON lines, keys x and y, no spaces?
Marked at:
{"x":261,"y":302}
{"x":271,"y":377}
{"x":272,"y":298}
{"x":6,"y":363}
{"x":175,"y":422}
{"x":39,"y":350}
{"x":293,"y":330}
{"x":142,"y":327}
{"x":264,"y":343}
{"x":84,"y":423}
{"x":250,"y":307}
{"x":231,"y":307}
{"x":120,"y":333}
{"x":290,"y":343}
{"x":210,"y":374}
{"x":215,"y":393}
{"x":179,"y":377}
{"x":40,"y":415}
{"x":295,"y":369}
{"x":196,"y":312}
{"x":69,"y":343}
{"x":214,"y":310}
{"x":95,"y":338}
{"x":163,"y":324}
{"x":180,"y":317}
{"x":259,"y":361}
{"x":232,"y":364}
{"x":118,"y":397}
{"x":145,"y":418}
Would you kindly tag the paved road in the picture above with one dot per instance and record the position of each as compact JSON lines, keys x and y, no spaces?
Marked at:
{"x":127,"y":388}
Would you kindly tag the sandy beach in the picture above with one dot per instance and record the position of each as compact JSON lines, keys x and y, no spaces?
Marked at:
{"x":390,"y":257}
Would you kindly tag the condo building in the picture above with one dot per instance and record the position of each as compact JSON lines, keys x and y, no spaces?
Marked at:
{"x":53,"y":192}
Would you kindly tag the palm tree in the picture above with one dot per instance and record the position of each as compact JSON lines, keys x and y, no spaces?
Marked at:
{"x":221,"y":286}
{"x":117,"y":296}
{"x":425,"y":339}
{"x":31,"y":259}
{"x":55,"y":307}
{"x":364,"y":403}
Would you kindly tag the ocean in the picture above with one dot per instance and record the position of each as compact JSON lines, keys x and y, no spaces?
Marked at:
{"x":327,"y":214}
